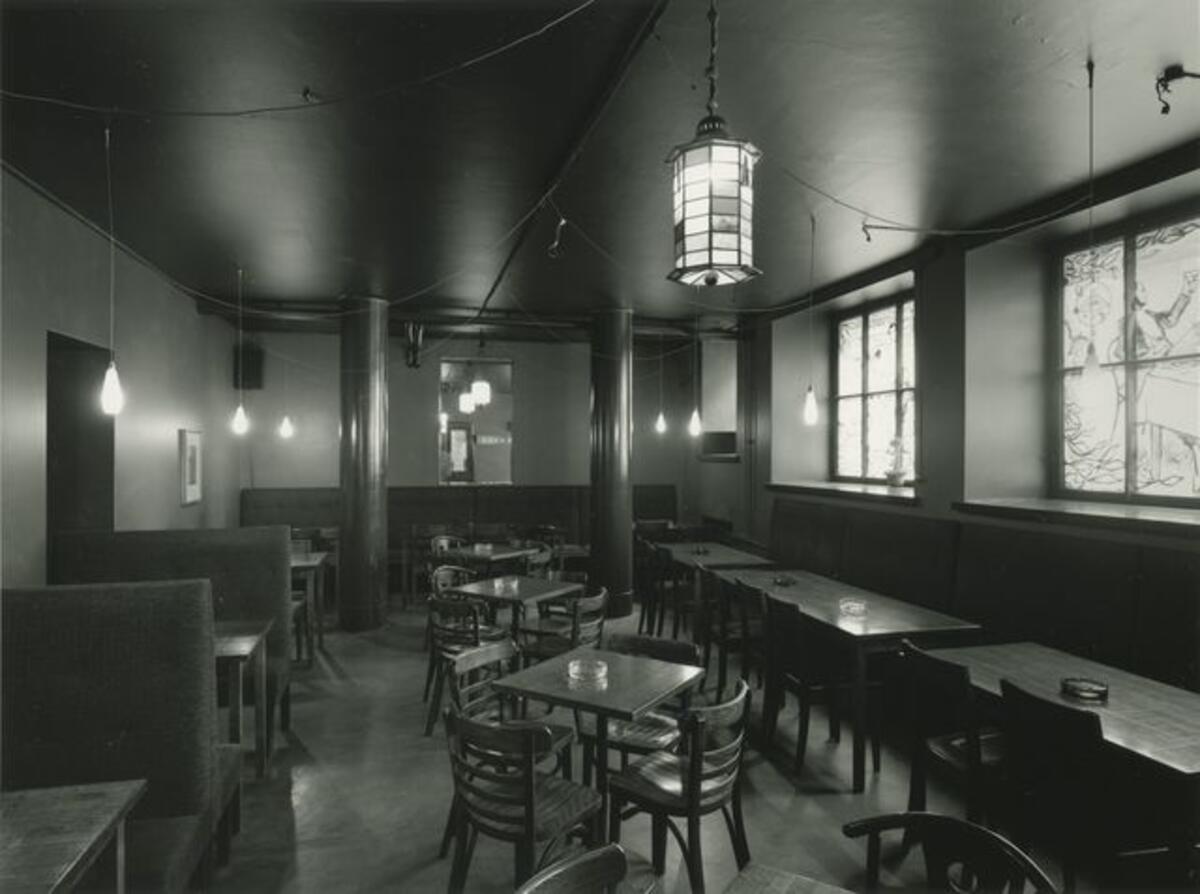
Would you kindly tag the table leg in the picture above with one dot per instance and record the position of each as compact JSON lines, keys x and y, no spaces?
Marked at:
{"x":860,"y":718}
{"x":602,"y":768}
{"x":319,"y":595}
{"x":121,"y":857}
{"x":260,"y":709}
{"x":235,"y":702}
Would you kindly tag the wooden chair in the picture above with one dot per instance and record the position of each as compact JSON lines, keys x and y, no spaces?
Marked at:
{"x":657,"y":730}
{"x":674,"y":586}
{"x":644,"y":584}
{"x":455,"y":625}
{"x":471,"y":675}
{"x":581,"y":624}
{"x":748,"y":606}
{"x":592,"y":872}
{"x":802,"y":661}
{"x":441,"y":580}
{"x":504,"y":796}
{"x":1066,"y":787}
{"x":704,"y":777}
{"x":539,"y":564}
{"x":943,"y":724}
{"x":442,"y":544}
{"x":959,"y":856}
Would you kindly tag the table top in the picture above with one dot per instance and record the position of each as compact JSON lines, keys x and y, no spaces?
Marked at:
{"x":487,"y":552}
{"x":713,"y":555}
{"x":820,"y":598}
{"x":49,"y":837}
{"x":305,"y":562}
{"x":759,"y":879}
{"x":634,"y":685}
{"x":1157,"y":721}
{"x":239,"y":639}
{"x":514,"y":588}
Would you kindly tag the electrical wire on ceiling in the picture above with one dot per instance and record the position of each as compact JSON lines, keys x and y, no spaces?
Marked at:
{"x":309,"y":99}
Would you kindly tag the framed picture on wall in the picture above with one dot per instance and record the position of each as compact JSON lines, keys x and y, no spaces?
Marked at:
{"x":191,"y":472}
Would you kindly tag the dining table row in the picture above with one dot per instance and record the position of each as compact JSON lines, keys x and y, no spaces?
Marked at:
{"x":521,"y":669}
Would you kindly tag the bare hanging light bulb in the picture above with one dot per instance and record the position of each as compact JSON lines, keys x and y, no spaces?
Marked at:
{"x":660,"y":424}
{"x":809,"y":414}
{"x":695,"y":428}
{"x":286,"y":429}
{"x":112,"y":395}
{"x":240,"y":422}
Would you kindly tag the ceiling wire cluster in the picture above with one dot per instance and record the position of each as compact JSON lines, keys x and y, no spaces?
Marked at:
{"x":872,"y":221}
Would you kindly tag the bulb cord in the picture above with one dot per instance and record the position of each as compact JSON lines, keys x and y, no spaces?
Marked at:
{"x":710,"y":71}
{"x":112,"y":248}
{"x":812,"y":279}
{"x":241,"y":346}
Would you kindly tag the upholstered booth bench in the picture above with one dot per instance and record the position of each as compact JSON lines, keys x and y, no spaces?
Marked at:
{"x":1133,"y":605}
{"x":116,"y":681}
{"x":248,"y":567}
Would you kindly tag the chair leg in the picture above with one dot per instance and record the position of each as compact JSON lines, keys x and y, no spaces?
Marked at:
{"x":722,"y":667}
{"x":615,"y":806}
{"x":462,"y":858}
{"x":658,"y":843}
{"x":695,"y":857}
{"x":522,"y":862}
{"x":741,"y":847}
{"x":566,"y":761}
{"x":916,"y":792}
{"x":429,"y":672}
{"x":676,"y":614}
{"x":707,"y":652}
{"x":589,"y":758}
{"x":875,"y":736}
{"x":435,"y":702}
{"x":451,"y":826}
{"x":285,"y":709}
{"x":802,"y":733}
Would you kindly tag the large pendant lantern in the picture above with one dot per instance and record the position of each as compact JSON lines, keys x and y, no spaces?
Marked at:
{"x":713,"y":186}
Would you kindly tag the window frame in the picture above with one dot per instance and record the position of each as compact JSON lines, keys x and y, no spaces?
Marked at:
{"x":1126,"y":231}
{"x":863,"y":311}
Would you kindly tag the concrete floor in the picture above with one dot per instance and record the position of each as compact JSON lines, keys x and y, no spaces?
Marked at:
{"x":356,"y":796}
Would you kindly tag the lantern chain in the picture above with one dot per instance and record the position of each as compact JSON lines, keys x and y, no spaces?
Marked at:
{"x":711,"y":71}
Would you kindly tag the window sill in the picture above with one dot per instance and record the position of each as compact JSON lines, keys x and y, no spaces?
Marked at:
{"x":880,"y":493}
{"x":1157,"y":519}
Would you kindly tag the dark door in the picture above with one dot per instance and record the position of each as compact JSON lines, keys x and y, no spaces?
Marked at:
{"x":79,"y":441}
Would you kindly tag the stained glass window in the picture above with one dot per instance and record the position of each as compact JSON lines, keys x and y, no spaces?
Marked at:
{"x":875,"y":408}
{"x":1131,"y":416}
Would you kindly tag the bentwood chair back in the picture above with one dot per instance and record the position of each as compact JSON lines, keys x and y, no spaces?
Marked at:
{"x":644,"y":583}
{"x":504,"y":796}
{"x":444,"y":577}
{"x":454,"y":626}
{"x":702,"y":777}
{"x":959,"y":856}
{"x":539,"y":563}
{"x":591,"y":872}
{"x":587,"y":618}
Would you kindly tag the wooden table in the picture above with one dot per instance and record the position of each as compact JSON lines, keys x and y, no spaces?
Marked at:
{"x":713,"y":555}
{"x":517,"y":591}
{"x":1155,"y":721}
{"x":310,"y":567}
{"x":486,"y":554}
{"x":759,"y":879}
{"x":239,"y":643}
{"x":879,"y":628}
{"x":50,"y":837}
{"x":635,"y":685}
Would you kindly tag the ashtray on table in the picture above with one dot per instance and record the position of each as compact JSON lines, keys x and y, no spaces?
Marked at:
{"x":783,"y":580}
{"x":1081,"y":689}
{"x":850,"y":606}
{"x":587,"y":670}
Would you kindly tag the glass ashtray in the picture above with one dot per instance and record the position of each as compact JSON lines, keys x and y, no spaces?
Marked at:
{"x":782,"y":580}
{"x":851,"y":606}
{"x":587,"y":670}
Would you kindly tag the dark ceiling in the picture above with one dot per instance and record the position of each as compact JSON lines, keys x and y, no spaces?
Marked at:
{"x":937,"y":113}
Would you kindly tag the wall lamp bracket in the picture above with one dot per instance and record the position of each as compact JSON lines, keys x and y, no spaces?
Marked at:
{"x":1162,"y":84}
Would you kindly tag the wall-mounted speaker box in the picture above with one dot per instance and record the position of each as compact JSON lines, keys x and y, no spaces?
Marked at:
{"x":250,"y":357}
